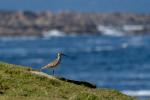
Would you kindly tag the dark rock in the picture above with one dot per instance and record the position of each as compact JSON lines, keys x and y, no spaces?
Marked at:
{"x":87,"y":84}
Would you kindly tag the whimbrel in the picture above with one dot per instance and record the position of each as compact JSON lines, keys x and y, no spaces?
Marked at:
{"x":54,"y":63}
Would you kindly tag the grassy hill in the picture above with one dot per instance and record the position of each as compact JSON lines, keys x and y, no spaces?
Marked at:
{"x":18,"y":83}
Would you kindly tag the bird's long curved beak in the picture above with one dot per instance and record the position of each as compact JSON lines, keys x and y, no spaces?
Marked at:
{"x":67,"y":56}
{"x":64,"y":55}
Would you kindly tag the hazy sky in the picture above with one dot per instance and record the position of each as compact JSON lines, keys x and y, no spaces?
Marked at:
{"x":78,"y":5}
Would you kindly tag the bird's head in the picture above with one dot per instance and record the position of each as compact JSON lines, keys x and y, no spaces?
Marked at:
{"x":62,"y":54}
{"x":59,"y":53}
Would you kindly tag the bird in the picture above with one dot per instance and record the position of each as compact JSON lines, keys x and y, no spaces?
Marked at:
{"x":54,"y":63}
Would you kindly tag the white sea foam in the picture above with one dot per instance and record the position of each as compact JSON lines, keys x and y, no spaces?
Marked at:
{"x":120,"y":30}
{"x":137,"y":92}
{"x":132,"y":28}
{"x":53,"y":33}
{"x":110,"y":30}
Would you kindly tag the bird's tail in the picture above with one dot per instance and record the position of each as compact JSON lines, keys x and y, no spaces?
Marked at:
{"x":44,"y":67}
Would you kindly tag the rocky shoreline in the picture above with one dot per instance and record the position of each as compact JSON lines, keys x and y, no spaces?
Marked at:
{"x":27,"y":23}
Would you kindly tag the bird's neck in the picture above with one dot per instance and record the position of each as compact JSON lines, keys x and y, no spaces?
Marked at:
{"x":59,"y":58}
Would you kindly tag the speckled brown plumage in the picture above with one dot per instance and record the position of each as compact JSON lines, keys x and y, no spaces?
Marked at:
{"x":54,"y":63}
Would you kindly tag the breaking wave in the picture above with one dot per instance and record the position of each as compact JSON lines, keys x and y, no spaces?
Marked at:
{"x":120,"y":30}
{"x":110,"y":30}
{"x":141,"y":93}
{"x":53,"y":33}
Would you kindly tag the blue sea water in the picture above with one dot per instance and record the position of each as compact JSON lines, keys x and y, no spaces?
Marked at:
{"x":121,"y":63}
{"x":138,"y":6}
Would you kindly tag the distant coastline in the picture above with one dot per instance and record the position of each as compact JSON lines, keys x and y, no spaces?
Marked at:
{"x":28,"y":23}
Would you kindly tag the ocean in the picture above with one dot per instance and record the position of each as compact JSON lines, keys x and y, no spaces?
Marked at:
{"x":116,"y":62}
{"x":104,"y":6}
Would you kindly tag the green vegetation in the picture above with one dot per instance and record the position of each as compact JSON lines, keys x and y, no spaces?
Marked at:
{"x":17,"y":83}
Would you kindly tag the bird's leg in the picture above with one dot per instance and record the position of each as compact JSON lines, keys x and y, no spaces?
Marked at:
{"x":53,"y":71}
{"x":40,"y":70}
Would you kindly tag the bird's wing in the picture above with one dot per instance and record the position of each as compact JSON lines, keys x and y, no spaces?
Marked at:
{"x":50,"y":65}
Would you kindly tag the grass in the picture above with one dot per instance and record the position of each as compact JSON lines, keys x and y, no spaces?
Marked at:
{"x":16,"y":83}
